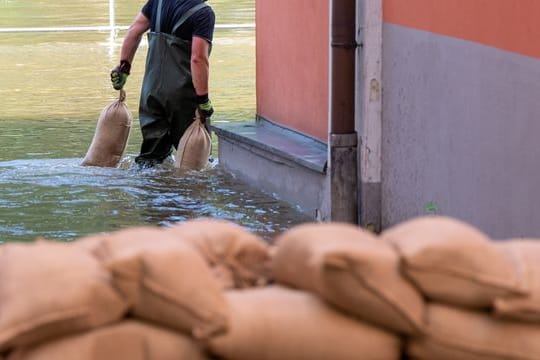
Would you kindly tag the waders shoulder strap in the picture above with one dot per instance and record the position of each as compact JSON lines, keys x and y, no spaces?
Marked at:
{"x":180,"y":21}
{"x":187,"y":14}
{"x":158,"y":16}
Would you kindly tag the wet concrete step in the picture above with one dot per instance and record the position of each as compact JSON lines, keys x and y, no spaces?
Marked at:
{"x":276,"y":141}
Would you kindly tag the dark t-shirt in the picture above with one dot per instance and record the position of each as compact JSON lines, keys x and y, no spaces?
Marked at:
{"x":200,"y":24}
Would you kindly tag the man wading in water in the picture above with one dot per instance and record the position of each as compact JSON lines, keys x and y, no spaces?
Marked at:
{"x":175,"y":83}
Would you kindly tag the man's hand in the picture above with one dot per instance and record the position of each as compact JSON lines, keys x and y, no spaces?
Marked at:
{"x":204,"y":106}
{"x":120,"y":74}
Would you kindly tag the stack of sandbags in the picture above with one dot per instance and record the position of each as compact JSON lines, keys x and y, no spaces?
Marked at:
{"x":334,"y":281}
{"x":191,"y":291}
{"x":481,"y":294}
{"x":145,"y":292}
{"x":275,"y":322}
{"x":164,"y":280}
{"x":352,"y":270}
{"x":434,"y":286}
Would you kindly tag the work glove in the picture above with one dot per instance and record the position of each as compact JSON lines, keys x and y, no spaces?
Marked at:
{"x":120,"y":74}
{"x":204,"y":106}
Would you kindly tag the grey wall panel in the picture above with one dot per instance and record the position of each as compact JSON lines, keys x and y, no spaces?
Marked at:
{"x":461,"y":123}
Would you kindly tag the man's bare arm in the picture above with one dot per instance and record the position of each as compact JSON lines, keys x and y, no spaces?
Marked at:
{"x":200,"y":67}
{"x":140,"y":25}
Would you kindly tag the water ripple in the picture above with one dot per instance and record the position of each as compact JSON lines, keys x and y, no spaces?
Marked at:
{"x":58,"y":198}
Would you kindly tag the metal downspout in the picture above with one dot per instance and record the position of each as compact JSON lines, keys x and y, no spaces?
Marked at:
{"x":343,"y":139}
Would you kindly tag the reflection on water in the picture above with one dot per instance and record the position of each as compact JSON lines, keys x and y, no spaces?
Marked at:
{"x":52,"y":89}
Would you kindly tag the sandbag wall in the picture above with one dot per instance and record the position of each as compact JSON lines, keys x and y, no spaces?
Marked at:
{"x":431,"y":288}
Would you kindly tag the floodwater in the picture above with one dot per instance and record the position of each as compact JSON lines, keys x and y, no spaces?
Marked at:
{"x":53,"y":86}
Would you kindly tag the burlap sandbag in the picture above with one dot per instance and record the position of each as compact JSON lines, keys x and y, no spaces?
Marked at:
{"x":452,"y":262}
{"x":165,"y":281}
{"x":92,"y":244}
{"x":49,"y":289}
{"x":127,"y":340}
{"x":239,"y":258}
{"x":352,"y":269}
{"x":194,"y":147}
{"x":525,"y":256}
{"x":111,"y":136}
{"x":291,"y":261}
{"x":276,"y":323}
{"x":455,"y":333}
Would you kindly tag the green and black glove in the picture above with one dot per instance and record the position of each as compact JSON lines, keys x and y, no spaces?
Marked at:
{"x":204,"y":106}
{"x":120,"y":74}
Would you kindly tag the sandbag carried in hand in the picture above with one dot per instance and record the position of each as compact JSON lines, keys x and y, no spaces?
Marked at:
{"x":194,"y":147}
{"x":111,"y":136}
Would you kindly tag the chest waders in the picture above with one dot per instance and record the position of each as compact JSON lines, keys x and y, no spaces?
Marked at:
{"x":167,"y":104}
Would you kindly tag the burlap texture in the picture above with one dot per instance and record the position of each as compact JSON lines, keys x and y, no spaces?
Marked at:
{"x":49,"y":289}
{"x":111,"y":135}
{"x":276,"y":323}
{"x":453,"y":262}
{"x":165,"y":280}
{"x":239,"y":258}
{"x":291,"y":260}
{"x":455,"y":333}
{"x":352,"y":269}
{"x":525,"y":256}
{"x":128,"y":340}
{"x":194,"y":147}
{"x":92,"y":244}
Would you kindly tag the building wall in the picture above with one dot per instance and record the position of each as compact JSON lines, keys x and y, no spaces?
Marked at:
{"x":292,"y":64}
{"x":461,"y":115}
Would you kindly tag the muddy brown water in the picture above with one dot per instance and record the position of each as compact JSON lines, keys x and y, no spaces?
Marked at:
{"x":53,"y":86}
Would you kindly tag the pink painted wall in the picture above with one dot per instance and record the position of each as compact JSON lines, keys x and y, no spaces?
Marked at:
{"x":505,"y":24}
{"x":292,"y":64}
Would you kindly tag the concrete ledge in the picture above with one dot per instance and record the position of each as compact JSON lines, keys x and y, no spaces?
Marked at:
{"x":276,"y":141}
{"x":287,"y":164}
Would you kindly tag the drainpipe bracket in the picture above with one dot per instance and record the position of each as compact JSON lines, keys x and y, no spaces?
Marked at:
{"x":344,"y":140}
{"x":349,"y":45}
